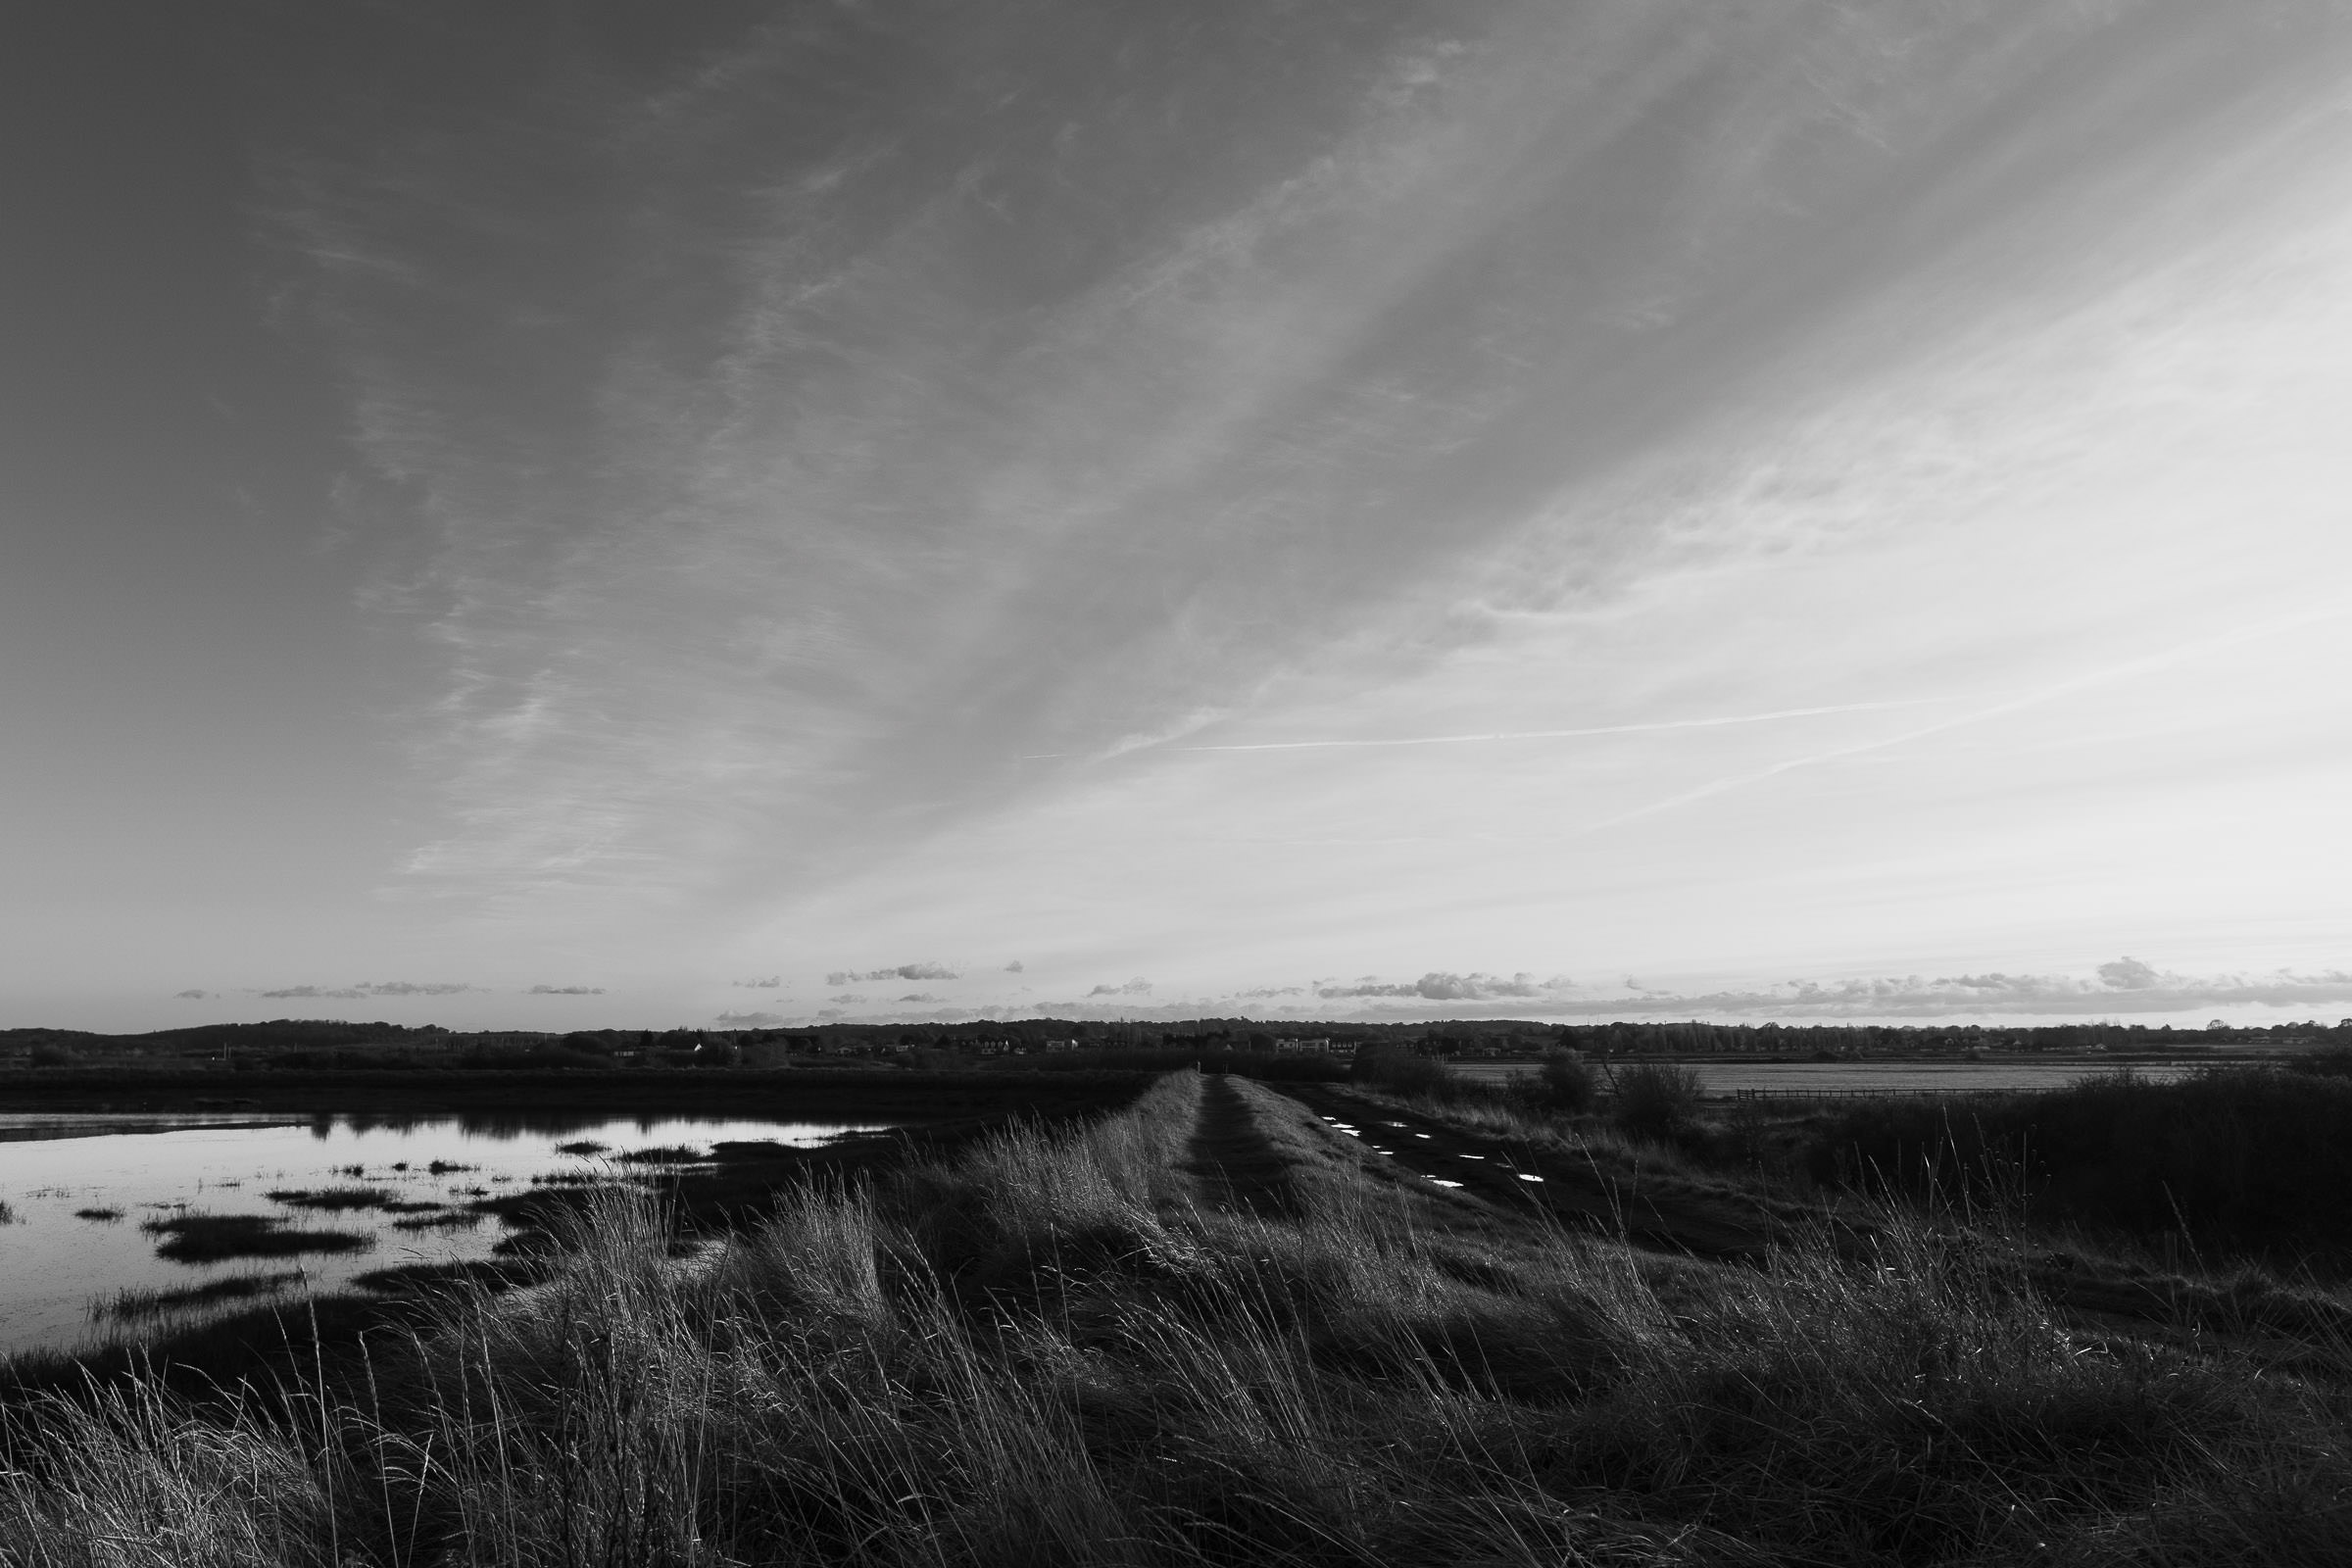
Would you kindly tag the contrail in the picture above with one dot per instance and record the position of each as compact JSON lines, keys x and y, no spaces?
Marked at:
{"x":2146,"y":663}
{"x":1573,"y":734}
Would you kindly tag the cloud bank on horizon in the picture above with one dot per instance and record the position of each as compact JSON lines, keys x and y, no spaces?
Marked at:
{"x":2125,"y":987}
{"x":1447,"y":491}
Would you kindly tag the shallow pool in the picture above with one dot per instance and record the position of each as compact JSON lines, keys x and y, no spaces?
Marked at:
{"x":80,"y":1259}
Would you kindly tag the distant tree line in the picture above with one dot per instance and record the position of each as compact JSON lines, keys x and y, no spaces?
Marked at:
{"x":313,"y":1043}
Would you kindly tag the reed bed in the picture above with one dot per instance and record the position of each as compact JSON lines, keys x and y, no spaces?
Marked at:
{"x":194,"y":1237}
{"x":1053,"y":1351}
{"x":132,"y":1303}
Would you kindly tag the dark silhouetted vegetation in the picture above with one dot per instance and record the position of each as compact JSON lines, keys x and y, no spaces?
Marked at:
{"x":139,"y":1303}
{"x":1208,"y":1331}
{"x":1655,"y":1099}
{"x":1567,"y":1084}
{"x":333,"y":1198}
{"x":190,"y":1237}
{"x":663,"y":1155}
{"x":2235,"y":1158}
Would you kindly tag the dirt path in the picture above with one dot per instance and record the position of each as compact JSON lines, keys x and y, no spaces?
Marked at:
{"x":1513,"y":1178}
{"x":1544,"y":1183}
{"x":1236,"y":1166}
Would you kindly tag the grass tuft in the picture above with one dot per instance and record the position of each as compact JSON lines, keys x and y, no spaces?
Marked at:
{"x":334,"y":1199}
{"x":663,"y":1155}
{"x":197,"y":1238}
{"x":139,"y":1303}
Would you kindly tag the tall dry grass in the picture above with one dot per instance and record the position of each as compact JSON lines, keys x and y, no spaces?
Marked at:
{"x":1051,"y":1353}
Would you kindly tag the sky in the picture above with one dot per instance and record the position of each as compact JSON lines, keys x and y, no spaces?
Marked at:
{"x":565,"y":515}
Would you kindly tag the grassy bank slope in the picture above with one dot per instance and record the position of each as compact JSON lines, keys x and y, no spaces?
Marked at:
{"x":1210,"y":1330}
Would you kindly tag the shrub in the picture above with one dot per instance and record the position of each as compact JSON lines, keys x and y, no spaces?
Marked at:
{"x":1567,"y":1084}
{"x":1403,"y":1072}
{"x":1657,"y":1100}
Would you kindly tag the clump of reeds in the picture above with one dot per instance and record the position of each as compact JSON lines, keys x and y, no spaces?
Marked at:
{"x":663,"y":1155}
{"x":99,"y":1216}
{"x":143,"y":1304}
{"x":197,"y":1238}
{"x":332,"y":1197}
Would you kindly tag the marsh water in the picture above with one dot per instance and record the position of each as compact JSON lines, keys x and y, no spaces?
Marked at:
{"x":94,"y":1202}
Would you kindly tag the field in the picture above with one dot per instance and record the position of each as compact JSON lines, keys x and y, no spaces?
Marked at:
{"x":1847,"y":1078}
{"x":1250,"y":1323}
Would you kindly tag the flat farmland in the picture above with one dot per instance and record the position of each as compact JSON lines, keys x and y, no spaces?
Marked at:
{"x":1724,"y":1079}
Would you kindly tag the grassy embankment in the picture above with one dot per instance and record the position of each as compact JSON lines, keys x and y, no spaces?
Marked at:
{"x":1200,"y":1332}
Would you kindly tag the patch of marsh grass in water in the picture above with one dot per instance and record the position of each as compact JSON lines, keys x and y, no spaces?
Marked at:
{"x":441,"y":1219}
{"x":99,"y":1216}
{"x":663,"y":1155}
{"x":1046,"y":1353}
{"x":139,"y":1303}
{"x":7,"y":1213}
{"x":195,"y":1238}
{"x":583,"y":1147}
{"x":332,"y":1197}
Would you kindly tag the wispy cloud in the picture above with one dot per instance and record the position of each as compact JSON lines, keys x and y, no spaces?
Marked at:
{"x":389,"y":988}
{"x":1138,"y":987}
{"x":567,"y":991}
{"x":1437,"y":986}
{"x":2292,"y":617}
{"x":1648,"y":728}
{"x":904,"y":971}
{"x":929,"y":496}
{"x":703,"y":573}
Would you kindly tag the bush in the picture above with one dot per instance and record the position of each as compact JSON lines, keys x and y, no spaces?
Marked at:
{"x":1567,"y":1084}
{"x":1403,"y":1072}
{"x":1655,"y":1099}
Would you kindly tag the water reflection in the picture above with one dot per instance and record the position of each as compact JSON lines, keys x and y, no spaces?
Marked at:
{"x":94,"y":1198}
{"x":498,"y":1124}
